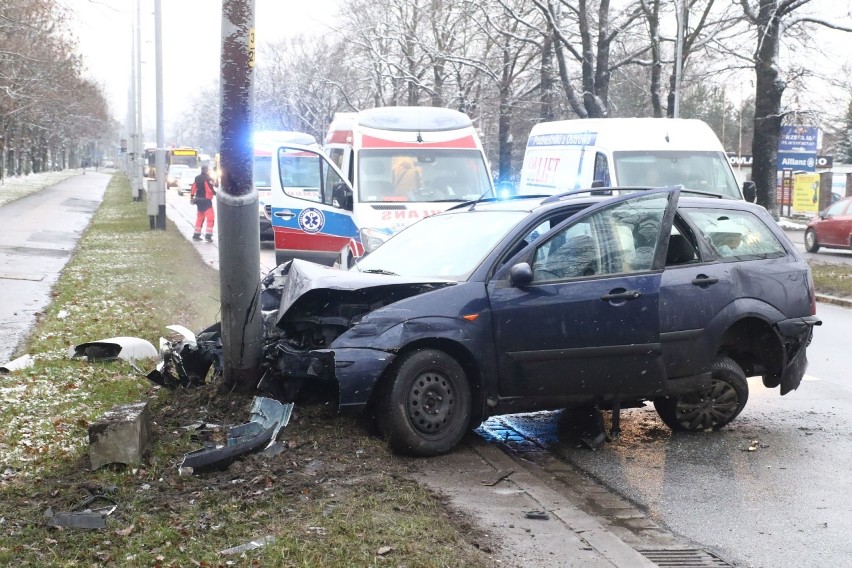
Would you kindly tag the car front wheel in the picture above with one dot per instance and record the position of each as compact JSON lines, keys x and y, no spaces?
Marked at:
{"x":710,"y":408}
{"x":426,"y":405}
{"x":811,"y":244}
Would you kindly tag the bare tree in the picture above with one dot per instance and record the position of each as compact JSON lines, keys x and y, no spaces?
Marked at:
{"x":771,"y":19}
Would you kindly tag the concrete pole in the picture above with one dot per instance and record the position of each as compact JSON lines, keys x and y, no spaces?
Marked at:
{"x":681,"y":25}
{"x":160,"y":159}
{"x":130,"y":154}
{"x":237,"y":207}
{"x":140,"y":138}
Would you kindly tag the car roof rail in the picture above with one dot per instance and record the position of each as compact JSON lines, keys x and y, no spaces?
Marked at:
{"x":474,"y":202}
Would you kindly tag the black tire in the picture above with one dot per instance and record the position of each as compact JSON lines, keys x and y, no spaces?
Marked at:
{"x":811,"y":243}
{"x":710,"y":408}
{"x":424,"y":408}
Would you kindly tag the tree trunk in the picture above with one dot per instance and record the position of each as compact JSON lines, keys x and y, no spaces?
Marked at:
{"x":769,"y":89}
{"x":546,"y":110}
{"x":504,"y":123}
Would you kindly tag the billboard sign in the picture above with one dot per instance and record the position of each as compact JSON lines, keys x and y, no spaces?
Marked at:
{"x":797,"y":161}
{"x":806,"y":193}
{"x":799,"y":139}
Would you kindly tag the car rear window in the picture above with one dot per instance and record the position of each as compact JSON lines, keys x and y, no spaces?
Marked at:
{"x":735,"y":234}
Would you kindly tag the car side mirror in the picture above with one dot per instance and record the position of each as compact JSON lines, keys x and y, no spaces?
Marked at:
{"x":520,"y":274}
{"x":342,"y":196}
{"x":749,"y":191}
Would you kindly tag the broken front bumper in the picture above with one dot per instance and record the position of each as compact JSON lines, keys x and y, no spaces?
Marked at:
{"x":356,"y":370}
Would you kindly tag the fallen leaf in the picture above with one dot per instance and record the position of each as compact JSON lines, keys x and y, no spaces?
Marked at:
{"x":383,"y":550}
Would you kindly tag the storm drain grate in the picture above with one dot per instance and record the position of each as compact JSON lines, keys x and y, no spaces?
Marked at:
{"x":685,"y":558}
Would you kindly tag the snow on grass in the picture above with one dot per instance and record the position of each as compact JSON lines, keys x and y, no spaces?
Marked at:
{"x":124,"y":280}
{"x":13,"y":188}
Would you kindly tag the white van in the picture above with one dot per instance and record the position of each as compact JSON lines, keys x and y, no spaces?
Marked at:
{"x":397,"y":164}
{"x":626,"y":152}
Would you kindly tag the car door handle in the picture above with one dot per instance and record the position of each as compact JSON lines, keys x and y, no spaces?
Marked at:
{"x":623,"y":295}
{"x":704,"y":280}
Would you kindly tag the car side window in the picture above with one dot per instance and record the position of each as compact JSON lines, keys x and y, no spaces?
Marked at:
{"x":734,"y":234}
{"x":837,"y":208}
{"x":617,"y":239}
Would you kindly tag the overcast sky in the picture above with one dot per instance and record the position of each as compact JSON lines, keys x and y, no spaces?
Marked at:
{"x":191,"y":44}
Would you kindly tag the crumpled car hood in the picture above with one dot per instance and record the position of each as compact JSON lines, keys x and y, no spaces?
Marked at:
{"x":305,"y":286}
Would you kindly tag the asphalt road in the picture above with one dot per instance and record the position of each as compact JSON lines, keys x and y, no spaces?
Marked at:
{"x":38,"y":236}
{"x":830,"y":256}
{"x":783,"y":504}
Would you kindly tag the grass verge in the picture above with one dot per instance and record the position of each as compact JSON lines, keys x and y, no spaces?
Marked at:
{"x":334,"y":497}
{"x":832,"y":279}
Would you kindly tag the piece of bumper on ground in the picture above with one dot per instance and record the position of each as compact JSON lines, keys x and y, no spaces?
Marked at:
{"x":127,"y":348}
{"x":267,"y":418}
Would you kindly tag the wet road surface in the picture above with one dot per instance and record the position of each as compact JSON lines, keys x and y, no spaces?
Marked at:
{"x":38,"y":236}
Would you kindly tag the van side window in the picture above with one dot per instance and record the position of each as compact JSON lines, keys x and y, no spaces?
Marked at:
{"x":601,"y":171}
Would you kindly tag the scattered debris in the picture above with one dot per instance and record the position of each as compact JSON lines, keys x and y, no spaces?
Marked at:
{"x":538,"y":515}
{"x":384,"y":550}
{"x":752,"y":447}
{"x":85,"y":519}
{"x":251,"y":545}
{"x":186,"y":363}
{"x":499,"y":476}
{"x":127,"y":348}
{"x":266,"y":418}
{"x":22,"y":362}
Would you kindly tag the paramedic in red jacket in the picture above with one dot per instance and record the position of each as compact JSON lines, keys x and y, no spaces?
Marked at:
{"x":202,"y":193}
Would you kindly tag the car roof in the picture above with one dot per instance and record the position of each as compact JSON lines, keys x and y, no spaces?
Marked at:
{"x":586,"y":198}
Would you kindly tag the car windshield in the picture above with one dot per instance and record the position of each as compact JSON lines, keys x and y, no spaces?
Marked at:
{"x":442,"y":246}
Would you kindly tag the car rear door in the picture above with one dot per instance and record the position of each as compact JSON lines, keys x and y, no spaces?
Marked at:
{"x":588,"y":323}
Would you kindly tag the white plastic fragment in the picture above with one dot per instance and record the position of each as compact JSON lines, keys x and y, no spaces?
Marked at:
{"x":251,"y":545}
{"x":188,"y":336}
{"x":22,"y":362}
{"x":126,"y":348}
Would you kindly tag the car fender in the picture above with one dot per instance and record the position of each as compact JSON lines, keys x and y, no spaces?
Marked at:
{"x":468,"y":341}
{"x":740,"y":309}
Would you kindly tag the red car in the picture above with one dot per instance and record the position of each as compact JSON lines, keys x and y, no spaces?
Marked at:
{"x":832,"y":228}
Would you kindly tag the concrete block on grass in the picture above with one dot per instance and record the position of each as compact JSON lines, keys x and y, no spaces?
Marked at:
{"x":121,"y":435}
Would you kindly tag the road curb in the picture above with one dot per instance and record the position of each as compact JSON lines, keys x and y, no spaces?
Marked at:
{"x":837,"y":301}
{"x":583,"y":525}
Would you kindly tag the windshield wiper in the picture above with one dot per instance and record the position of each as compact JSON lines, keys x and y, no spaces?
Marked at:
{"x":380,"y":271}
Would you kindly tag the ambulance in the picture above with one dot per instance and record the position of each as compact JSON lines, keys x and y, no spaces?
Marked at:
{"x":622,"y":152}
{"x":381,"y":170}
{"x":266,"y":142}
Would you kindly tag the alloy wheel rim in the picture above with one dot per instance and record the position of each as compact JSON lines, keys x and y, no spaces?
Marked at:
{"x":430,"y":402}
{"x":708,"y":408}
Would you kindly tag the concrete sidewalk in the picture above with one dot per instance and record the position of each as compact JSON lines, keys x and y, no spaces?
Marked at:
{"x":484,"y":482}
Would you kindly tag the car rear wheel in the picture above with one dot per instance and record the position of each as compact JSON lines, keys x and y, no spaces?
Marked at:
{"x":425,"y":407}
{"x":811,"y":244}
{"x":710,"y":408}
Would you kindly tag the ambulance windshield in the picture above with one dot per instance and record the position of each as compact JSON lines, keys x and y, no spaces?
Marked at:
{"x":415,"y":175}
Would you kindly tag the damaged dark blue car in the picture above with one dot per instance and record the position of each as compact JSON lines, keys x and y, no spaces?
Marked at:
{"x":535,"y":303}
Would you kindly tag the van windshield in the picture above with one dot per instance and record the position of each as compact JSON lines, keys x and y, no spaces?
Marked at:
{"x":430,"y":175}
{"x":702,"y":171}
